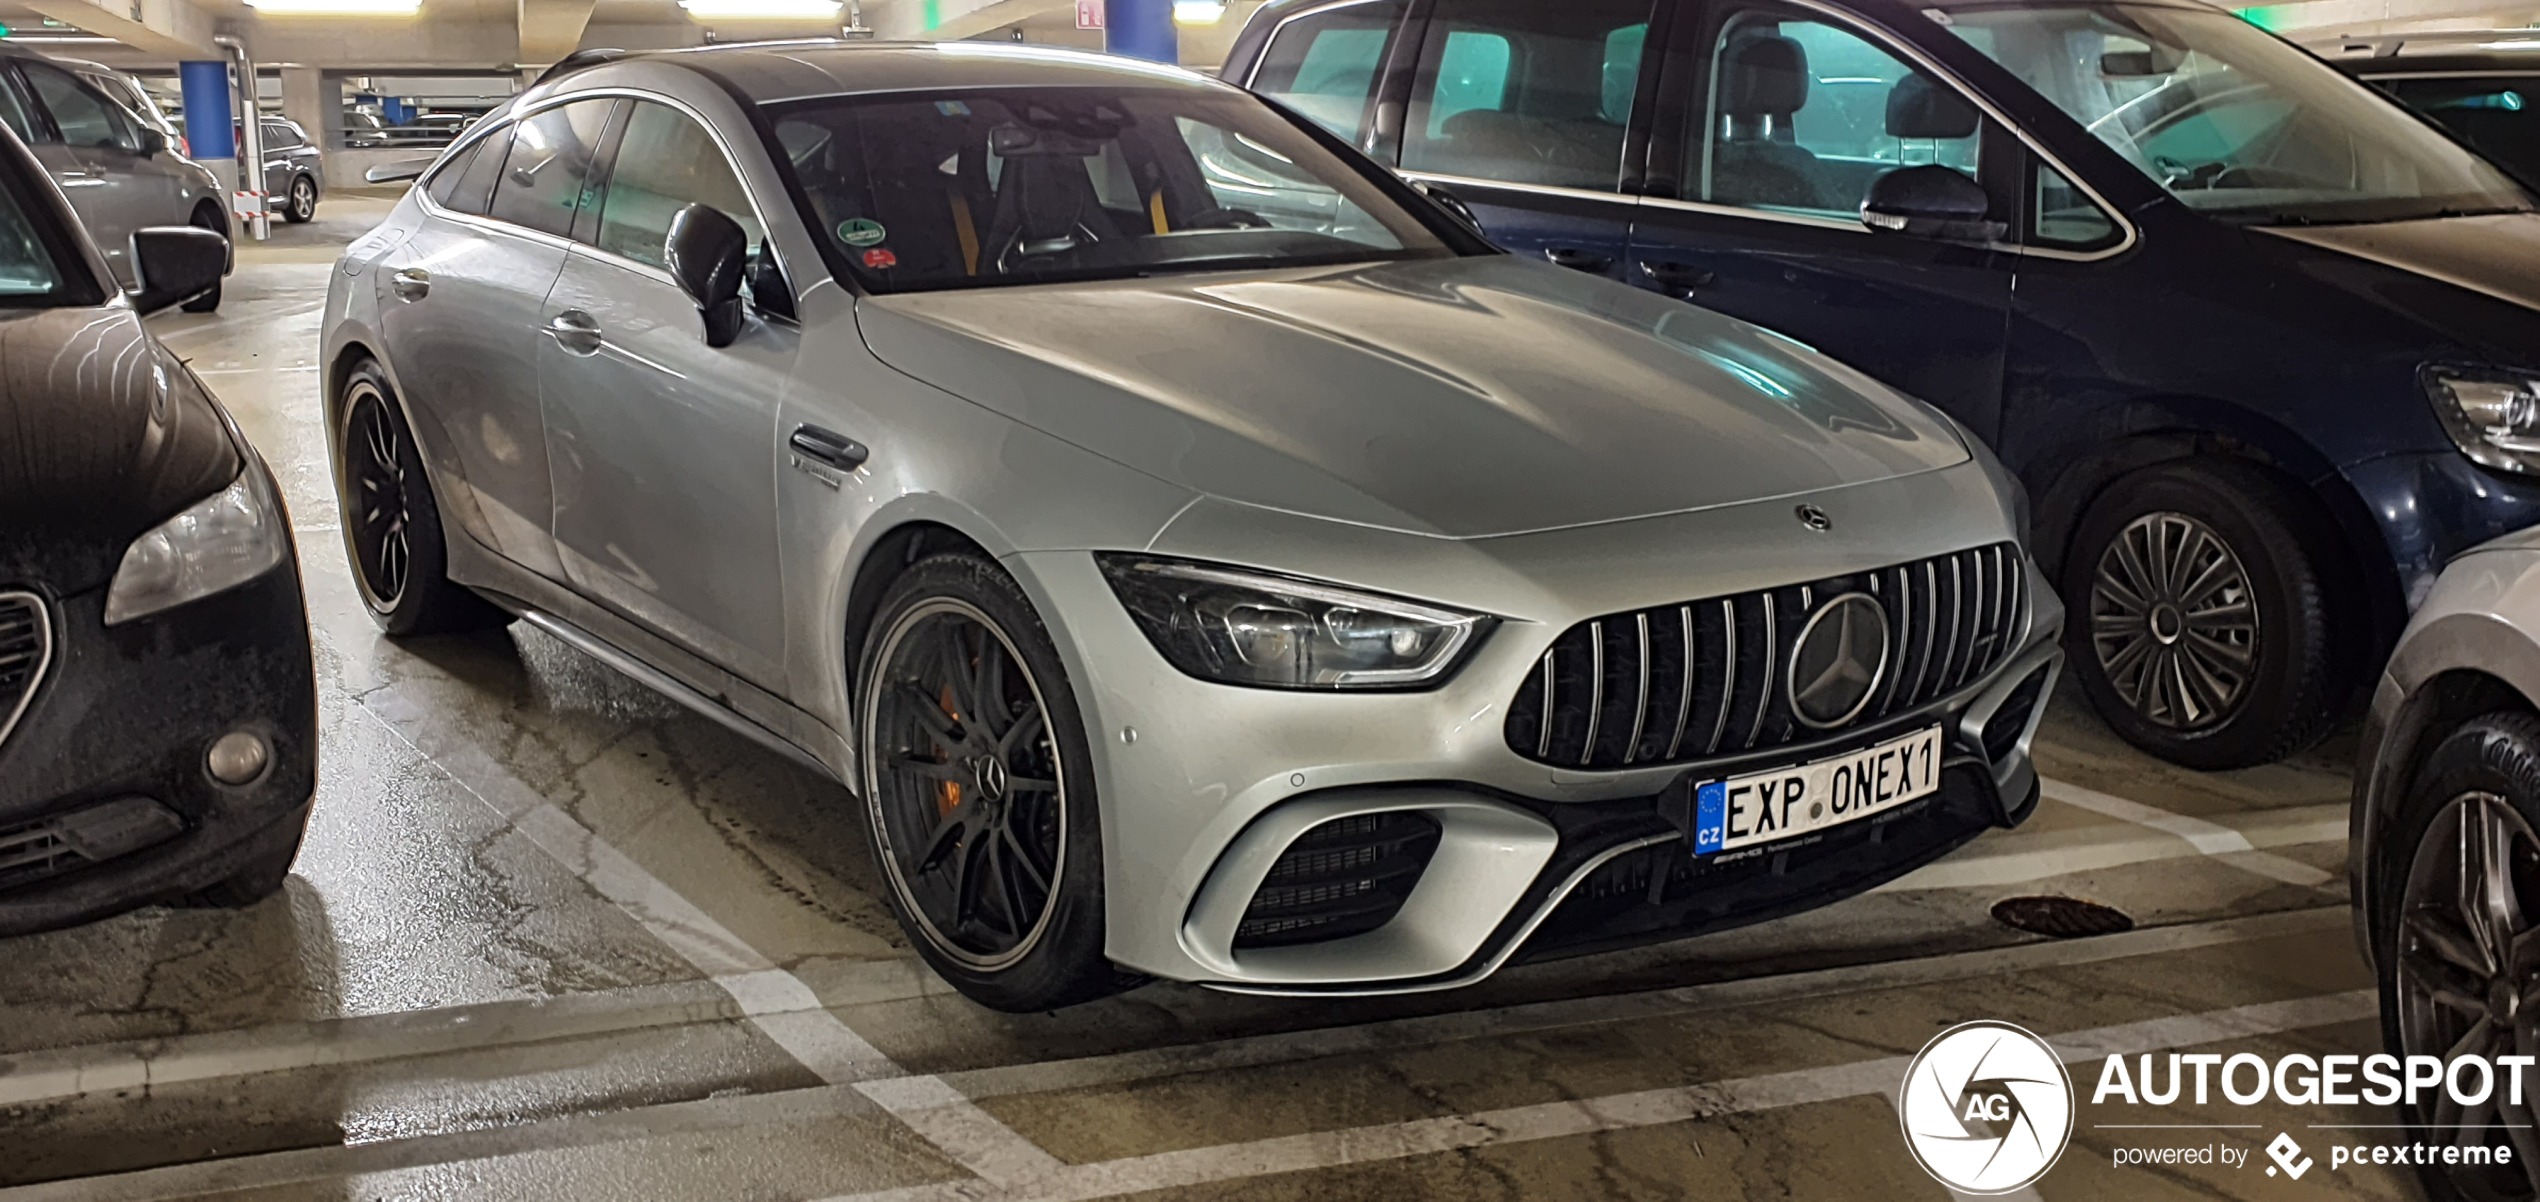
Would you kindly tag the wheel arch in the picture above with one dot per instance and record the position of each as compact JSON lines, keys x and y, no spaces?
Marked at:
{"x":890,"y":552}
{"x":2397,"y":743}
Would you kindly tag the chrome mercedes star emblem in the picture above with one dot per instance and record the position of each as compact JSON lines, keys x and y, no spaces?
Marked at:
{"x":1838,"y":662}
{"x":990,"y":772}
{"x":1815,"y":519}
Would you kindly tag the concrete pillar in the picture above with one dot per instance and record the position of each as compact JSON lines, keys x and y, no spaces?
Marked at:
{"x":309,"y":97}
{"x":207,"y":117}
{"x":1141,"y":29}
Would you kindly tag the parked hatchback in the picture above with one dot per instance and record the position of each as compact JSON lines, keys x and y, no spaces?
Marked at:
{"x":1297,"y":597}
{"x":119,"y":169}
{"x":2261,"y":342}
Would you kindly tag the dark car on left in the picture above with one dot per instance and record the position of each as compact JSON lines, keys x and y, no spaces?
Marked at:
{"x":158,"y":719}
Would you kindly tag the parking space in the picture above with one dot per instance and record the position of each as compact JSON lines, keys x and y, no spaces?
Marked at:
{"x":554,"y":936}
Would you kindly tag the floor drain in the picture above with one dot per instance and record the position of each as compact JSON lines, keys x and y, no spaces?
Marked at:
{"x":2060,"y":917}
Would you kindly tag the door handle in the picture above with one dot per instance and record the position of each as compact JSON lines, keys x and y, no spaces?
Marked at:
{"x":829,"y":448}
{"x":410,"y":283}
{"x":575,"y":331}
{"x":1682,"y":279}
{"x":1579,"y":259}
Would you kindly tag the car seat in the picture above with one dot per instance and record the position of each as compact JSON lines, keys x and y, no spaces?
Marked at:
{"x":1763,"y":80}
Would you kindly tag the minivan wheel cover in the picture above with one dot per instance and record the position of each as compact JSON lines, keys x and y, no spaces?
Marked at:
{"x":2173,"y":622}
{"x":2466,"y":972}
{"x":966,"y":788}
{"x":382,"y":516}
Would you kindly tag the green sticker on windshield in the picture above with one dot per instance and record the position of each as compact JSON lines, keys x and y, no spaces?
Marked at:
{"x":861,"y":232}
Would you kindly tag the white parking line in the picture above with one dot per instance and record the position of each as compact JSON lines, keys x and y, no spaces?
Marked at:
{"x":2223,"y":844}
{"x":1647,"y":1108}
{"x":776,"y":1001}
{"x":2019,"y":857}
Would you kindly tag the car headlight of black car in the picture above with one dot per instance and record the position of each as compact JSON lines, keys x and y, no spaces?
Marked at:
{"x":2493,"y":415}
{"x":1244,"y":627}
{"x":219,"y":542}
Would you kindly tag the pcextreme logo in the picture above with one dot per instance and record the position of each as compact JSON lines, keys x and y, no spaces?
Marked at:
{"x":1987,"y":1107}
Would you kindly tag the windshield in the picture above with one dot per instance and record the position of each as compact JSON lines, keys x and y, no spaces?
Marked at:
{"x":1024,"y":186}
{"x":2235,"y":123}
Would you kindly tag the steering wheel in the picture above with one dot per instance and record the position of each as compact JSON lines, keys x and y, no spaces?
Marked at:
{"x":1227,"y":219}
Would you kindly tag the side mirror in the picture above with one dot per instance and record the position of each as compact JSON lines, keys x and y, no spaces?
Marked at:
{"x":1934,"y":202}
{"x":707,"y":250}
{"x":399,"y":171}
{"x":151,"y":143}
{"x":176,"y":263}
{"x":1449,"y":201}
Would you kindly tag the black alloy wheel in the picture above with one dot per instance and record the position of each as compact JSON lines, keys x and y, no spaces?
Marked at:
{"x":2459,"y":944}
{"x":380,"y":518}
{"x":979,"y":789}
{"x":968,"y":786}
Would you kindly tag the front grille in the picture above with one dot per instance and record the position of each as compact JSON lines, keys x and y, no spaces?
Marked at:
{"x":26,"y":646}
{"x":1688,"y":682}
{"x":1345,"y":877}
{"x":37,"y":851}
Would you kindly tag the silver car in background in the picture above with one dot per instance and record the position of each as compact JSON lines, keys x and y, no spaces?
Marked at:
{"x":119,"y":169}
{"x":2445,"y":858}
{"x":1289,"y":597}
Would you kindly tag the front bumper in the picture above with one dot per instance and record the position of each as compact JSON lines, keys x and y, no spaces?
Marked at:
{"x":124,"y":715}
{"x":1205,"y":786}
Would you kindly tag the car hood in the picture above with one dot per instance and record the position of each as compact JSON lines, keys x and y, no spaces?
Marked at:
{"x":2495,"y":256}
{"x":1461,"y":398}
{"x":103,"y":434}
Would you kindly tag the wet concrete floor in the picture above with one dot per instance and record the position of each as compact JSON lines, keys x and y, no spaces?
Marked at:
{"x":555,"y":938}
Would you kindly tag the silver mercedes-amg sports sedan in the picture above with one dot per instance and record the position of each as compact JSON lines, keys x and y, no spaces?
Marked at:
{"x":1202,"y":555}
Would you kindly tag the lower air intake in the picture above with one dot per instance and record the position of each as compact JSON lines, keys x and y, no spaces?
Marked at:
{"x":39,"y":851}
{"x":1346,"y":877}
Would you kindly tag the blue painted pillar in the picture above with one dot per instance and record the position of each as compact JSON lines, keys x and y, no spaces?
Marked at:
{"x":207,"y":110}
{"x":1141,"y":29}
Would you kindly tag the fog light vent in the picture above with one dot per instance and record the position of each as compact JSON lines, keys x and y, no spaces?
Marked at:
{"x":37,"y":851}
{"x":2061,"y":917}
{"x":2002,"y":731}
{"x":1346,"y":877}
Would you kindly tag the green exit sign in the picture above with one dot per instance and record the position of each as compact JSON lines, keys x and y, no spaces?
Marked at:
{"x":4,"y":31}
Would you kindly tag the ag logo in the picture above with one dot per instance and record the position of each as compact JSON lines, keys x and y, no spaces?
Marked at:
{"x":1987,"y":1108}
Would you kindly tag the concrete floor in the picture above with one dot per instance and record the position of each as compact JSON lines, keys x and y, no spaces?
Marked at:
{"x":554,"y":938}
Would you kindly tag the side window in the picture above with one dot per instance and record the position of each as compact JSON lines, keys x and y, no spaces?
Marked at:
{"x":1527,"y":92}
{"x":547,"y":177}
{"x":1802,"y":116}
{"x":16,"y":110}
{"x":1324,"y":64}
{"x":2498,"y":116}
{"x":665,"y":163}
{"x":279,"y":136}
{"x":84,"y":117}
{"x":2064,"y":217}
{"x":444,"y":188}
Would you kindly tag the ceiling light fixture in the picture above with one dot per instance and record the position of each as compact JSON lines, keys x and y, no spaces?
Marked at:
{"x":336,"y":8}
{"x":1198,"y":12}
{"x":761,"y":10}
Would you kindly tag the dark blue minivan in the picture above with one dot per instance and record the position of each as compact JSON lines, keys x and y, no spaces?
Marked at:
{"x":2264,"y":345}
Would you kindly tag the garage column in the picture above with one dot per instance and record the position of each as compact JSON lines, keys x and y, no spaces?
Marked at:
{"x":1141,"y":29}
{"x":308,"y":96}
{"x":207,"y":117}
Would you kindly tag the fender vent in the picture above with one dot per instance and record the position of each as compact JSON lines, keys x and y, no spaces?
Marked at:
{"x":1346,"y":877}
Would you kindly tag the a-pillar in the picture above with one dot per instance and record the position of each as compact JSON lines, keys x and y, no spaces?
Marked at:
{"x":1141,"y":29}
{"x":207,"y":117}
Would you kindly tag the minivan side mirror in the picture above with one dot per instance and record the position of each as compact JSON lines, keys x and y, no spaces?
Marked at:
{"x":707,"y":251}
{"x":152,"y":143}
{"x":1930,"y":201}
{"x":176,"y":263}
{"x":1449,"y":201}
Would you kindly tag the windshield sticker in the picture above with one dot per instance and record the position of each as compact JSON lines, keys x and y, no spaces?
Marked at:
{"x":952,"y":108}
{"x":861,"y":232}
{"x":881,"y":259}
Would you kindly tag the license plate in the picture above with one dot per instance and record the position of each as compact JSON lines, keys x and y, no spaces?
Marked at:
{"x":1767,"y":807}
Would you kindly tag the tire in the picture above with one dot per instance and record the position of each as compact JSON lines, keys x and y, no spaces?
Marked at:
{"x":260,"y":876}
{"x":299,"y":204}
{"x":958,"y":838}
{"x":392,"y":523}
{"x":206,"y":219}
{"x":2484,"y":778}
{"x":2244,"y":672}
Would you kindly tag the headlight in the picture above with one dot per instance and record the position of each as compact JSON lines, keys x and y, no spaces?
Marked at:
{"x":2493,"y":415}
{"x":1247,"y":628}
{"x":223,"y":541}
